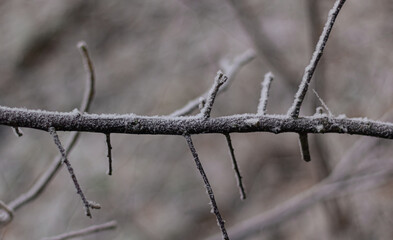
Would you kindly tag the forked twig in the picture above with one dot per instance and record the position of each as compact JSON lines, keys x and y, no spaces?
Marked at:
{"x":209,"y":189}
{"x":84,"y":232}
{"x":236,"y":168}
{"x":309,"y":70}
{"x":62,"y":151}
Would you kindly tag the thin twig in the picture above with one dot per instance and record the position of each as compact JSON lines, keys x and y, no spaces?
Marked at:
{"x":56,"y":139}
{"x":236,"y":168}
{"x":86,"y":231}
{"x":88,"y":64}
{"x":209,"y":189}
{"x":309,"y":70}
{"x":219,"y":80}
{"x":265,"y":93}
{"x":109,"y":146}
{"x":17,"y":131}
{"x":304,"y":148}
{"x":323,"y":103}
{"x":55,"y":166}
{"x":230,"y":72}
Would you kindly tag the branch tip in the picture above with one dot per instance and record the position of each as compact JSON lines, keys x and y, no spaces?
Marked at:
{"x":6,"y":216}
{"x":90,"y":80}
{"x":82,"y":45}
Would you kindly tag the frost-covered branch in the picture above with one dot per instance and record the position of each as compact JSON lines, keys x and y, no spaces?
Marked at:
{"x":309,"y":70}
{"x":265,"y":93}
{"x":84,"y":232}
{"x":218,"y":82}
{"x":164,"y":125}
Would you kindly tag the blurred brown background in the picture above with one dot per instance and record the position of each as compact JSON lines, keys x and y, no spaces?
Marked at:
{"x":151,"y":57}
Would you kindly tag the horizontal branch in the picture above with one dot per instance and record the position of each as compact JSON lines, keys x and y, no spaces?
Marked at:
{"x":164,"y":125}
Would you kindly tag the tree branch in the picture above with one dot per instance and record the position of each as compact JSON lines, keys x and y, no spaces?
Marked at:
{"x":90,"y":80}
{"x":265,"y":93}
{"x":164,"y":125}
{"x":218,"y":82}
{"x":309,"y":70}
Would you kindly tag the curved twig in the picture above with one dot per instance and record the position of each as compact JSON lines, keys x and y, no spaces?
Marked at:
{"x":55,"y":166}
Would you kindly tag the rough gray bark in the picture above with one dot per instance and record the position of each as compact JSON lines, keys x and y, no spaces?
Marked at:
{"x":163,"y":125}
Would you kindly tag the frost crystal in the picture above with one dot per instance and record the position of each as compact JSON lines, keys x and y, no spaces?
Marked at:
{"x":252,"y":121}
